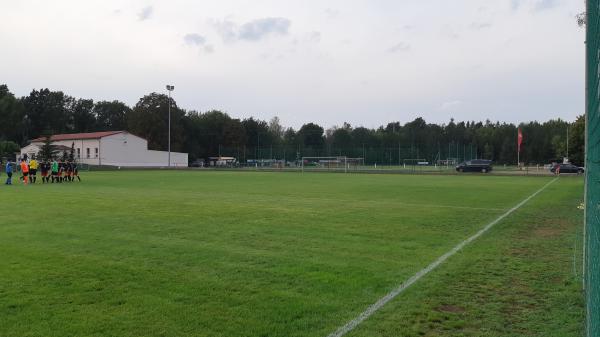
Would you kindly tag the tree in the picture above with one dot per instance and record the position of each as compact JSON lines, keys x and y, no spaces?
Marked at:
{"x":559,"y":146}
{"x":257,"y":133}
{"x":72,"y":152}
{"x":342,"y":138}
{"x":290,"y":138}
{"x":8,"y":149}
{"x":12,"y":114}
{"x":48,"y":150}
{"x":577,"y":141}
{"x":149,"y":119}
{"x":212,"y":133}
{"x":215,"y":132}
{"x":276,"y":129}
{"x":581,"y":19}
{"x":81,"y":115}
{"x":311,"y":135}
{"x":111,"y":115}
{"x":46,"y":110}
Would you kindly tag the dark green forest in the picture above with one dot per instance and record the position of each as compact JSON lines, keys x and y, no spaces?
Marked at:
{"x":213,"y":133}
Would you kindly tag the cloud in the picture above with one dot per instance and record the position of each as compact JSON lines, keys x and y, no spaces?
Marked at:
{"x":450,"y":104}
{"x":146,"y":13}
{"x":400,"y":47}
{"x":226,"y":29}
{"x":450,"y":32}
{"x":536,"y":5}
{"x":258,"y":29}
{"x":197,"y":40}
{"x":515,"y":4}
{"x":541,"y":5}
{"x":314,"y":37}
{"x":209,"y":49}
{"x":194,"y":39}
{"x":480,"y":25}
{"x":253,"y":30}
{"x":332,"y":13}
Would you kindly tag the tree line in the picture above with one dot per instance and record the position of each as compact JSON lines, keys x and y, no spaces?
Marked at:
{"x":215,"y":133}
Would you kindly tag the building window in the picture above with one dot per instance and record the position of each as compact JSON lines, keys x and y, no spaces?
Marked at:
{"x":96,"y":151}
{"x":87,"y":152}
{"x":78,"y":153}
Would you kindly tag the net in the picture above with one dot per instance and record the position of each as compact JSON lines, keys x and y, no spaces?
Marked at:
{"x":344,"y":164}
{"x":592,"y":189}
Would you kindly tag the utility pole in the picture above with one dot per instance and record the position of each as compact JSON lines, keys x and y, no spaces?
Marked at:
{"x":567,"y":141}
{"x":399,"y":155}
{"x":364,"y":153}
{"x":169,"y":89}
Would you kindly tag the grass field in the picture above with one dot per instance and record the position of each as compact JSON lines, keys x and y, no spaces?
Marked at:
{"x":182,"y":253}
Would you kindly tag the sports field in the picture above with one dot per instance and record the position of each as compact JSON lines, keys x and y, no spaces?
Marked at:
{"x":187,"y":253}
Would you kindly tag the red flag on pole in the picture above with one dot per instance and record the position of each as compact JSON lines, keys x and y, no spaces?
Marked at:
{"x":520,"y":140}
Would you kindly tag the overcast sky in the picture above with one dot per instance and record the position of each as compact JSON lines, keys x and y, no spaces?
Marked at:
{"x":366,"y":62}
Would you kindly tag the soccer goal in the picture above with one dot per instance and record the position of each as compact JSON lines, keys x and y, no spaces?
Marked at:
{"x":412,"y":162}
{"x":342,"y":164}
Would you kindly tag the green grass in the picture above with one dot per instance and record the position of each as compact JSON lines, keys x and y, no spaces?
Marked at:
{"x":186,"y":253}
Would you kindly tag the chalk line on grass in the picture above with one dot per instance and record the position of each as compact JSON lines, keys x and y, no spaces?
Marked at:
{"x":341,"y":331}
{"x":452,"y":206}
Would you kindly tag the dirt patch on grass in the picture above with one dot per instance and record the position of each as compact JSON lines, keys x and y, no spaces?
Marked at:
{"x":550,"y":227}
{"x":519,"y":251}
{"x":548,"y":232}
{"x":451,"y":308}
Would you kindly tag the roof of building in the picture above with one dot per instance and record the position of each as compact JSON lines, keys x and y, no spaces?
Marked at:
{"x":79,"y":136}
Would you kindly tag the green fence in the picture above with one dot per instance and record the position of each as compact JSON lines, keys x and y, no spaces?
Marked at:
{"x":399,"y":154}
{"x":592,"y":217}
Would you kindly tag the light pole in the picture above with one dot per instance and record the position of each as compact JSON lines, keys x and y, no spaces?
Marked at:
{"x":567,"y":141}
{"x":169,"y":89}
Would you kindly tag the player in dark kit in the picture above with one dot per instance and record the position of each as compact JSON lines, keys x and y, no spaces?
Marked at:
{"x":76,"y":172}
{"x":61,"y":171}
{"x":44,"y":169}
{"x":69,"y":168}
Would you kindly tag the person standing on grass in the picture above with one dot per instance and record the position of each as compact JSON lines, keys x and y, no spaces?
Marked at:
{"x":48,"y":170}
{"x":25,"y":171}
{"x":33,"y":167}
{"x":75,"y":172}
{"x":45,"y":167}
{"x":9,"y":172}
{"x":69,"y":166}
{"x":61,"y":171}
{"x":54,"y":171}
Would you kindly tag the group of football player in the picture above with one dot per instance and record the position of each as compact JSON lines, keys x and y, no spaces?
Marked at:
{"x":51,"y":171}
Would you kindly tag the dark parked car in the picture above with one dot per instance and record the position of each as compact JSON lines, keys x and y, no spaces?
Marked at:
{"x":567,"y":168}
{"x":475,"y":165}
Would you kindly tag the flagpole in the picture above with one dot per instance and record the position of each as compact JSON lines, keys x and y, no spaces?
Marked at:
{"x":518,"y":149}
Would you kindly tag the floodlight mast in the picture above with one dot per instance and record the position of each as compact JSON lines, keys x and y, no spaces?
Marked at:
{"x":169,"y":89}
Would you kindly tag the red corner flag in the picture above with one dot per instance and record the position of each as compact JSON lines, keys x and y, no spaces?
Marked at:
{"x":520,"y":140}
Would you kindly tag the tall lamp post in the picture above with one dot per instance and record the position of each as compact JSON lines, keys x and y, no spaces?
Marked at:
{"x":169,"y":89}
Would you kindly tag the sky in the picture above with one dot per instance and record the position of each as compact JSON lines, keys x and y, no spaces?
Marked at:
{"x":365,"y":62}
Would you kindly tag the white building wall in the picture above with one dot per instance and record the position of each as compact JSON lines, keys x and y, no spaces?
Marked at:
{"x":125,"y":149}
{"x":82,"y":146}
{"x":122,"y":149}
{"x":30,"y":150}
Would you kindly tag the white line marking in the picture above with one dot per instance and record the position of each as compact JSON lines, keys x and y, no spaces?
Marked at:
{"x":392,"y":294}
{"x":450,"y":206}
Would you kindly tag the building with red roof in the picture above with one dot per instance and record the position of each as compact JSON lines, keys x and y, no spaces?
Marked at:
{"x":108,"y":148}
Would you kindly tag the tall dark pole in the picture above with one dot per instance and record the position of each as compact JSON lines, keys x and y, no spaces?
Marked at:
{"x":169,"y":89}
